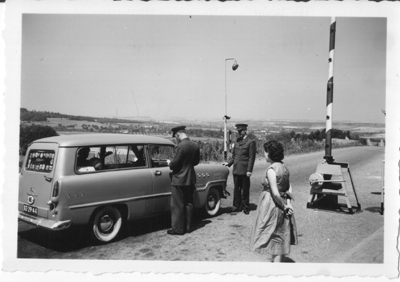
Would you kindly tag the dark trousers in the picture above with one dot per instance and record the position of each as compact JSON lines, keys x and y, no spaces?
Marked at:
{"x":241,"y":193}
{"x":182,"y":206}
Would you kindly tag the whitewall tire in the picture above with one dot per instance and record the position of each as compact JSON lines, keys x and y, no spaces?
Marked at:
{"x":107,"y":223}
{"x":213,"y":202}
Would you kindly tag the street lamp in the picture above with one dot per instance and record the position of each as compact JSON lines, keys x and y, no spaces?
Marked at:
{"x":226,"y":117}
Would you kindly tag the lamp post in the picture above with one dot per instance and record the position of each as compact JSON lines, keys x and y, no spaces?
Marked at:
{"x":226,"y":117}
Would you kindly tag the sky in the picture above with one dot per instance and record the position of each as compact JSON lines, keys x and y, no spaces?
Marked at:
{"x":166,"y":66}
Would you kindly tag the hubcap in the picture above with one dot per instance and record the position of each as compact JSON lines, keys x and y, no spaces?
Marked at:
{"x":106,"y":223}
{"x":211,"y":202}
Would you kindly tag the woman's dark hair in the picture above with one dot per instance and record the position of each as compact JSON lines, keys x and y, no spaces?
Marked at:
{"x":274,"y":150}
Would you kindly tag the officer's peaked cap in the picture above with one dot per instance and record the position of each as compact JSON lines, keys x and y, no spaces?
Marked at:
{"x":241,"y":126}
{"x":177,"y":129}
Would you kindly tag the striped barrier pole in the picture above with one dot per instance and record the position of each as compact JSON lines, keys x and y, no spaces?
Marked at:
{"x":329,"y":98}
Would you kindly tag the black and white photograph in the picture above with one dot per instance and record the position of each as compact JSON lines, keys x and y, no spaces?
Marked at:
{"x":201,"y":138}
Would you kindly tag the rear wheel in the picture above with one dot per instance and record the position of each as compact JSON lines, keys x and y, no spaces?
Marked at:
{"x":213,"y":202}
{"x":107,"y":223}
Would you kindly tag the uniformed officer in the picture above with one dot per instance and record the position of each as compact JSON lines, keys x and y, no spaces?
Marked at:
{"x":187,"y":155}
{"x":243,"y":157}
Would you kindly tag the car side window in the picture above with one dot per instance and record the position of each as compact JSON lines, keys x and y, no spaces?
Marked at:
{"x":137,"y":155}
{"x":159,"y":154}
{"x":111,"y":158}
{"x":88,"y":160}
{"x":91,"y":159}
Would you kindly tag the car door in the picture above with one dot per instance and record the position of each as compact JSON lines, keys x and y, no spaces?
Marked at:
{"x":158,"y":155}
{"x":117,"y":182}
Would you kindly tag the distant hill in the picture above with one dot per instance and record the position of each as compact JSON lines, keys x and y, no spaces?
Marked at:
{"x":259,"y":126}
{"x":33,"y":116}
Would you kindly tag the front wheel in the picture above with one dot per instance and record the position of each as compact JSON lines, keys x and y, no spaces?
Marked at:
{"x":107,"y":223}
{"x":213,"y":202}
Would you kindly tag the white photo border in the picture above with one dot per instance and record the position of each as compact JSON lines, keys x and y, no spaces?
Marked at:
{"x":12,"y":40}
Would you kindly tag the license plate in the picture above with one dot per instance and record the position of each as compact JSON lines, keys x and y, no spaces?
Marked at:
{"x":31,"y":210}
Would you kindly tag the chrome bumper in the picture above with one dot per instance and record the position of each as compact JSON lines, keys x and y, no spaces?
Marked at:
{"x":45,"y":223}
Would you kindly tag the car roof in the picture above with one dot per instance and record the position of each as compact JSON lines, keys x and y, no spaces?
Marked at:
{"x":94,"y":139}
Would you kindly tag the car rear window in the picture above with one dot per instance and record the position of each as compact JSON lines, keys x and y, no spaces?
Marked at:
{"x":40,"y":160}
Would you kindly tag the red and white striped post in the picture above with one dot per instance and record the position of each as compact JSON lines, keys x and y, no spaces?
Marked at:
{"x":329,"y":98}
{"x":331,"y":190}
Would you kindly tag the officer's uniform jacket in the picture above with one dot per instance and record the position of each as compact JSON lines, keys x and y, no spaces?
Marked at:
{"x":243,"y":156}
{"x":187,"y":155}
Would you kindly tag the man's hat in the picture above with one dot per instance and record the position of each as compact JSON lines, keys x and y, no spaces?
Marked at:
{"x":241,"y":126}
{"x":177,"y":129}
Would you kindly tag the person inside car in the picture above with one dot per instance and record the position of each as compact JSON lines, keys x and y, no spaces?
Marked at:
{"x":82,"y":157}
{"x":83,"y":161}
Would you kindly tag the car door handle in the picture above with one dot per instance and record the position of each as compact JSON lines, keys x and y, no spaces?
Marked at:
{"x":49,"y":179}
{"x":157,"y":173}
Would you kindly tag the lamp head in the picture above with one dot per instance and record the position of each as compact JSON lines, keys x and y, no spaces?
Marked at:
{"x":235,"y":65}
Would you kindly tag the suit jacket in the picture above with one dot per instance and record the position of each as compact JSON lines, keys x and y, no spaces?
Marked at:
{"x":187,"y":155}
{"x":243,"y":156}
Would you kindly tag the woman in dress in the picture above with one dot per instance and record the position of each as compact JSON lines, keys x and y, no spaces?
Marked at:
{"x":274,"y":227}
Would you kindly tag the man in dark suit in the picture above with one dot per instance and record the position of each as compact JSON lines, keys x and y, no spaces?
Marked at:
{"x":187,"y":155}
{"x":243,"y":157}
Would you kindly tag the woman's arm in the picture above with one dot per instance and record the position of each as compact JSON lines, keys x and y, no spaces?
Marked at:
{"x":290,"y":193}
{"x":271,"y":175}
{"x":289,"y":201}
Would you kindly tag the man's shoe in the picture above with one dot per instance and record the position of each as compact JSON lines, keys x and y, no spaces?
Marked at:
{"x":172,"y":232}
{"x":246,"y":211}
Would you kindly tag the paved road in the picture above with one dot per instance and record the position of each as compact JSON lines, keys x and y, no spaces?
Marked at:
{"x":324,"y":236}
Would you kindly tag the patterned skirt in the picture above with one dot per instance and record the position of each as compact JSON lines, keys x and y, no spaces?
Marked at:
{"x":273,"y":231}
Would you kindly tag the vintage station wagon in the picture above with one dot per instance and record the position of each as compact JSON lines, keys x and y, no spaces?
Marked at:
{"x":103,"y":180}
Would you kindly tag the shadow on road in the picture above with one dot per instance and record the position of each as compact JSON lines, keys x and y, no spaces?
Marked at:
{"x":253,"y":207}
{"x":60,"y":241}
{"x":198,"y":224}
{"x":374,"y":209}
{"x":287,"y":259}
{"x":147,"y":225}
{"x":76,"y":238}
{"x":336,"y":208}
